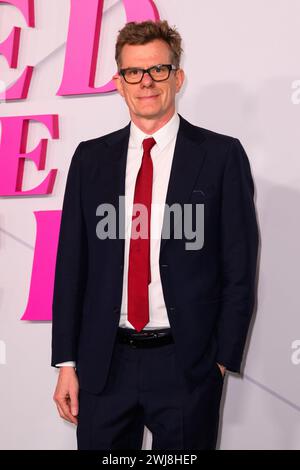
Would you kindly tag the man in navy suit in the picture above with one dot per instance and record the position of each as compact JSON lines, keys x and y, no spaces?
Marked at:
{"x":144,"y":328}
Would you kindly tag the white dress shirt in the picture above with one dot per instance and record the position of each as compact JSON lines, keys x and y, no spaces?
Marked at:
{"x":162,"y":157}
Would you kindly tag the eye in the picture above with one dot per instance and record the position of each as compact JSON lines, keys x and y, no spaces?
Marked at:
{"x":132,"y":72}
{"x":160,"y":70}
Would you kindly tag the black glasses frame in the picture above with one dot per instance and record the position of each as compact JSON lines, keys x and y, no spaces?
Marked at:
{"x":170,"y":67}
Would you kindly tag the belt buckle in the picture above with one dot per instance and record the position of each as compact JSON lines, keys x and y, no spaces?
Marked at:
{"x":150,"y":334}
{"x":137,"y":340}
{"x":141,"y":339}
{"x":145,"y":334}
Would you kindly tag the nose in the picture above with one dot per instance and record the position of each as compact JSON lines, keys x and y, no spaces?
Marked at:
{"x":147,"y":80}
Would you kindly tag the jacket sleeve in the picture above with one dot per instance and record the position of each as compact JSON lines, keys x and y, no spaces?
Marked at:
{"x":70,"y":269}
{"x":239,"y":246}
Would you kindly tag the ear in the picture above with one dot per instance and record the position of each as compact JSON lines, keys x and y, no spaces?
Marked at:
{"x":118,"y":83}
{"x":180,"y":76}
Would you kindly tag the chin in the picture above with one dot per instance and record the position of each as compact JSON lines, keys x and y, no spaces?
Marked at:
{"x":144,"y":113}
{"x":149,"y":115}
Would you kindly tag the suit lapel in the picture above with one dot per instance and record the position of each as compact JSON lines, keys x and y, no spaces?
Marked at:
{"x":118,"y":147}
{"x":188,"y":159}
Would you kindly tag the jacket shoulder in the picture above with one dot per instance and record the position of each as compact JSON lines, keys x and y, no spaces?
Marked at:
{"x":209,"y":136}
{"x":104,"y":140}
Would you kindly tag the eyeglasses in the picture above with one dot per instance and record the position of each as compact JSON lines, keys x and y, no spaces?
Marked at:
{"x":158,"y":73}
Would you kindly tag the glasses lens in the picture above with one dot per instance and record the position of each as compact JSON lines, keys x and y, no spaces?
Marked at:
{"x":133,"y":75}
{"x":159,"y":73}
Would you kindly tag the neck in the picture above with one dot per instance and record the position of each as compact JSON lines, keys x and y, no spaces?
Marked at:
{"x":150,"y":126}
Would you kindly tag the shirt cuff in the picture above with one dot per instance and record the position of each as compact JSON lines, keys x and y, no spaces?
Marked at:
{"x":67,"y":363}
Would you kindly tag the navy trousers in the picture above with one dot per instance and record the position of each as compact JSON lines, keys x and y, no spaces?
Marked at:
{"x":147,"y":387}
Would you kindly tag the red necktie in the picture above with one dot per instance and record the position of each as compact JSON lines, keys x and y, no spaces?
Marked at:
{"x":139,"y":274}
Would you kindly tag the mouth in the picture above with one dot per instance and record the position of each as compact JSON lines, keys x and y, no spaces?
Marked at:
{"x":147,"y":97}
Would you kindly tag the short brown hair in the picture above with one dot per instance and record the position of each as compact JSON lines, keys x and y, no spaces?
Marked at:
{"x":135,"y":33}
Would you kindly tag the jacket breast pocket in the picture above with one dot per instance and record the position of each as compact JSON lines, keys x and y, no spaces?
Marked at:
{"x":203,"y":193}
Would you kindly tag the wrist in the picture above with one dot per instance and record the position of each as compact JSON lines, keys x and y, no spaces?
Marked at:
{"x":66,"y":369}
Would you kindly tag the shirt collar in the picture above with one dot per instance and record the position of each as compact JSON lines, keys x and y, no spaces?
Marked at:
{"x":162,"y":137}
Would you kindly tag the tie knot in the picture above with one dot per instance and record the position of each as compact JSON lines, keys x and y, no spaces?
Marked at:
{"x":148,"y":144}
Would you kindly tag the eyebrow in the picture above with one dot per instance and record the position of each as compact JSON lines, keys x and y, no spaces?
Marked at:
{"x":137,"y":67}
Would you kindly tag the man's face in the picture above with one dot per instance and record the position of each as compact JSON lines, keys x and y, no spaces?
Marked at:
{"x":149,"y":99}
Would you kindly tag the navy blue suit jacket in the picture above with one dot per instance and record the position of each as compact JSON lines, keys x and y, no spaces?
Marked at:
{"x":209,"y":293}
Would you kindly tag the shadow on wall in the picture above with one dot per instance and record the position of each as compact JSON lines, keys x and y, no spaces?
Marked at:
{"x":267,"y":124}
{"x":274,"y":327}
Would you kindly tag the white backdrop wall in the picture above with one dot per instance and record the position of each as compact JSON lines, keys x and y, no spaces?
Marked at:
{"x":242,"y":66}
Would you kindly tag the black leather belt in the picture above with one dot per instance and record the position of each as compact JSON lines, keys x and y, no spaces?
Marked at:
{"x":146,"y":338}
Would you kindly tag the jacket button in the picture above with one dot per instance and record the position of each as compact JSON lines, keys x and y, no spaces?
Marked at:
{"x":164,"y":265}
{"x":116,"y":310}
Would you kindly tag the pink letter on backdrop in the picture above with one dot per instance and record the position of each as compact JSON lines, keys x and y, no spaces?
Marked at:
{"x":13,"y":154}
{"x":10,"y":49}
{"x":39,"y":304}
{"x":83,"y":42}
